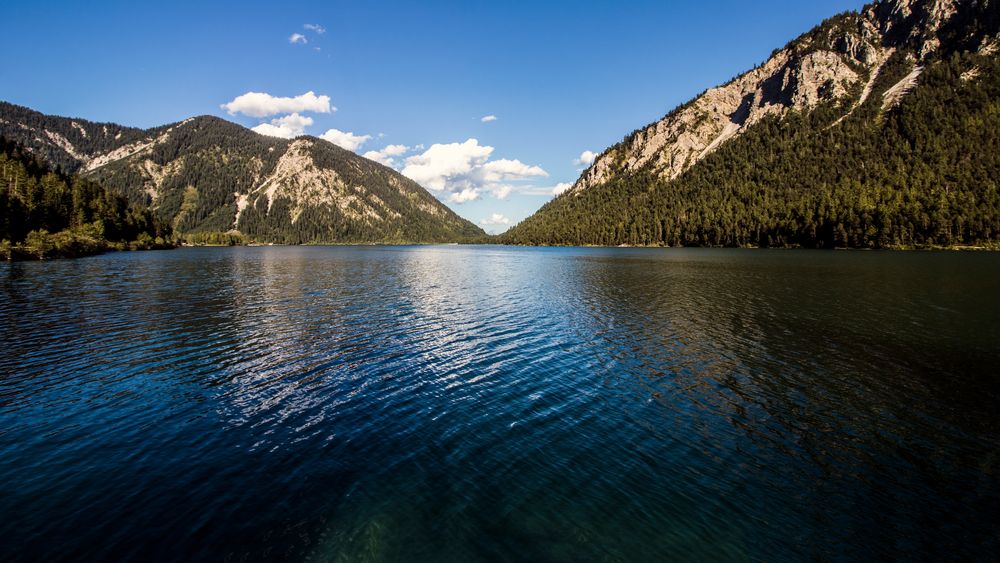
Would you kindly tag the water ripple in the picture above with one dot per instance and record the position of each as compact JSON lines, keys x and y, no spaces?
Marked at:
{"x":448,"y":403}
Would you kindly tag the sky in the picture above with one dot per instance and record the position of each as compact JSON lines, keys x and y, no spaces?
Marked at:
{"x":494,"y":107}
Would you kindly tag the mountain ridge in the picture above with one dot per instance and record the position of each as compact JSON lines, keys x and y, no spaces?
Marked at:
{"x":205,"y":173}
{"x":851,"y":72}
{"x":797,"y":76}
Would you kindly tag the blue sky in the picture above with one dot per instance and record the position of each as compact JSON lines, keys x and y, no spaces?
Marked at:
{"x":561,"y":78}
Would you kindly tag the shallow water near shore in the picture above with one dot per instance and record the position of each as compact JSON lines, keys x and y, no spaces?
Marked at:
{"x":493,"y":403}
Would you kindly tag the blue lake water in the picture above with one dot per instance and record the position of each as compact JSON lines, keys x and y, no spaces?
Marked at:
{"x":500,"y":404}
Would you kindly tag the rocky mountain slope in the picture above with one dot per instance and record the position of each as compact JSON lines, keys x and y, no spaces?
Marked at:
{"x":205,"y":174}
{"x":847,"y":80}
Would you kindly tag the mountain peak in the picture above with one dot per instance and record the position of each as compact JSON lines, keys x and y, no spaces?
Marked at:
{"x":814,"y":110}
{"x":846,"y":52}
{"x":206,"y":174}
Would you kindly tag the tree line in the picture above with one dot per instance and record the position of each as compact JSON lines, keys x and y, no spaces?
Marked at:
{"x":45,"y":214}
{"x":922,"y":174}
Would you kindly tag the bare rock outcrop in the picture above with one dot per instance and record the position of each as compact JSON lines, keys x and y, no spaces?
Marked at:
{"x":824,"y":64}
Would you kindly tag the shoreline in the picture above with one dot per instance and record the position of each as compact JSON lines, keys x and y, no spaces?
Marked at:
{"x":934,"y":248}
{"x":19,"y":255}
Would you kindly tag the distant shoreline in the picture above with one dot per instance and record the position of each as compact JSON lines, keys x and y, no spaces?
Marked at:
{"x":28,"y":257}
{"x":953,"y":248}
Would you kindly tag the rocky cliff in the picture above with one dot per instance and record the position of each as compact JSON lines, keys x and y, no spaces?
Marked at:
{"x":878,"y":128}
{"x":843,"y":57}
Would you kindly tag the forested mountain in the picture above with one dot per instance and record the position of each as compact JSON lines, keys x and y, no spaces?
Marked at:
{"x":44,"y":213}
{"x":205,"y":176}
{"x":875,"y":129}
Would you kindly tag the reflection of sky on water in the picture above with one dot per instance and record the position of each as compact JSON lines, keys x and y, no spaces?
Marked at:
{"x":463,"y":403}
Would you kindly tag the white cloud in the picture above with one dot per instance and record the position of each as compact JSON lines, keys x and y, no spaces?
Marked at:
{"x":586,"y":158}
{"x":314,"y":27}
{"x":379,"y":157}
{"x":504,"y":169}
{"x":345,"y":139}
{"x":464,"y":171}
{"x":488,"y":118}
{"x":495,"y":219}
{"x":285,"y":127}
{"x":441,"y":165}
{"x":385,"y":155}
{"x":395,"y":150}
{"x":466,"y":195}
{"x":545,"y":191}
{"x":259,"y":104}
{"x":502,"y":191}
{"x":297,"y":38}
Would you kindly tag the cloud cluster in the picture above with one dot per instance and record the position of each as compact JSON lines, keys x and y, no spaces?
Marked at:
{"x":457,"y":172}
{"x":385,"y":156}
{"x":496,"y":223}
{"x":260,"y":104}
{"x":462,"y":172}
{"x":286,"y":127}
{"x":504,"y":169}
{"x":488,"y":118}
{"x":586,"y":158}
{"x":544,"y":191}
{"x":444,"y":164}
{"x":495,"y":219}
{"x":300,"y":39}
{"x":345,"y":139}
{"x":464,"y":196}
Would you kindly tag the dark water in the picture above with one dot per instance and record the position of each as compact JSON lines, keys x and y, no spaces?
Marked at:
{"x":492,"y":404}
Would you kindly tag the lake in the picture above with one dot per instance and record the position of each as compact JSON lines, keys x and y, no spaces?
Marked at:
{"x":452,"y":403}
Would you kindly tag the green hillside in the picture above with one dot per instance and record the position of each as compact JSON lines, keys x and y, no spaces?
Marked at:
{"x":924,"y":172}
{"x":46,"y":214}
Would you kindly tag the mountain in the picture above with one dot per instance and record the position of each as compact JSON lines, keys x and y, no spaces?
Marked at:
{"x":878,"y":128}
{"x":207,"y":175}
{"x":45,"y":214}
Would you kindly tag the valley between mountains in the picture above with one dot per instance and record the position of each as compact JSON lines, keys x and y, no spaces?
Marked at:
{"x":876,"y":129}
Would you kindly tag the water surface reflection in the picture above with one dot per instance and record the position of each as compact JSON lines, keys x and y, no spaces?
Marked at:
{"x":429,"y":403}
